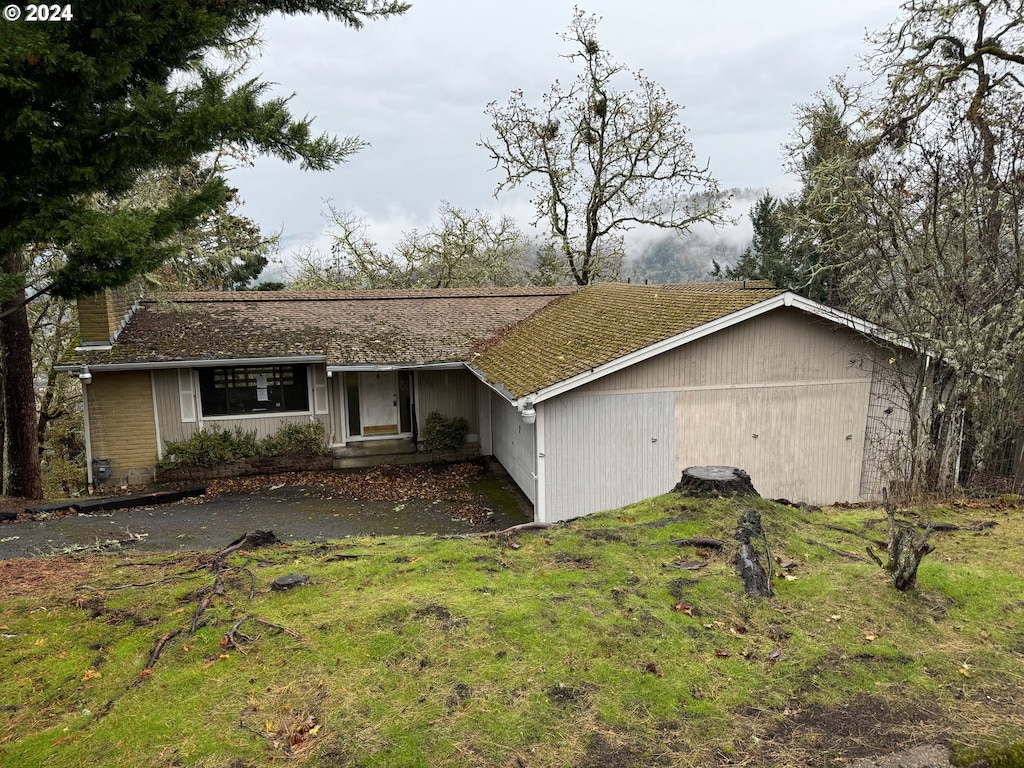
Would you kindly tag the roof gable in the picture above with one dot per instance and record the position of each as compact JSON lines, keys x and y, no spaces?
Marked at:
{"x":601,"y":325}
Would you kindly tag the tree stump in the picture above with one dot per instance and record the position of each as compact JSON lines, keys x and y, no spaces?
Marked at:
{"x":749,"y":533}
{"x":906,"y":549}
{"x":715,"y":482}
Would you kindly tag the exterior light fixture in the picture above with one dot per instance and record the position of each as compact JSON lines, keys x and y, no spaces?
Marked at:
{"x":84,"y":375}
{"x":529,"y":414}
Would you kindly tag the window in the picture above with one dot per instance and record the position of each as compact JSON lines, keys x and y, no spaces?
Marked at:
{"x":263,"y":389}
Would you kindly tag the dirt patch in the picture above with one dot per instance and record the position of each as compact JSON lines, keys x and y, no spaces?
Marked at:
{"x":442,"y":615}
{"x":567,"y":695}
{"x":26,"y":577}
{"x":604,"y":750}
{"x":866,"y":726}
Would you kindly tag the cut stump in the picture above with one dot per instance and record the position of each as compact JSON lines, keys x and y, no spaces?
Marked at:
{"x":906,"y":548}
{"x":715,"y":482}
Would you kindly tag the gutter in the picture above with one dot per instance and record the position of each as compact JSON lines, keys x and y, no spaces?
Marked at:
{"x":167,"y":364}
{"x":356,"y":367}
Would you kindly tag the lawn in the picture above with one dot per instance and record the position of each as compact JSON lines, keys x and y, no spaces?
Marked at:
{"x":595,"y":643}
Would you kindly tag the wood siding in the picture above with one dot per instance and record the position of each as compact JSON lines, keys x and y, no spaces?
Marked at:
{"x":803,"y":385}
{"x":514,"y":445}
{"x":122,"y":426}
{"x":785,"y":345}
{"x":606,"y":451}
{"x":483,"y":408}
{"x":451,"y":393}
{"x":801,"y":442}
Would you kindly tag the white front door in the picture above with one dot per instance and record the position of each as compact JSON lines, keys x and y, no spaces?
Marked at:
{"x":378,"y":403}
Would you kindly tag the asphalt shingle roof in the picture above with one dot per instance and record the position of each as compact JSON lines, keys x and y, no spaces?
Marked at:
{"x":602,"y":323}
{"x":349,"y":327}
{"x":522,"y":339}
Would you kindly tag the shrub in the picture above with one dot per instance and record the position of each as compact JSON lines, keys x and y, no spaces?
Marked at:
{"x":297,"y":438}
{"x":441,"y":433}
{"x":210,"y":447}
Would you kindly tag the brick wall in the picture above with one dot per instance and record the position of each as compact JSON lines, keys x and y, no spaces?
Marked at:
{"x":100,"y":315}
{"x":122,"y":425}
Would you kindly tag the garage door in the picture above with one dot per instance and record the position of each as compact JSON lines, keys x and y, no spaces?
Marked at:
{"x":605,"y":451}
{"x":801,"y":442}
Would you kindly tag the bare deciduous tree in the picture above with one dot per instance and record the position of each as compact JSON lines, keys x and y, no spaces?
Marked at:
{"x":923,"y":211}
{"x":600,"y":160}
{"x":463,"y":249}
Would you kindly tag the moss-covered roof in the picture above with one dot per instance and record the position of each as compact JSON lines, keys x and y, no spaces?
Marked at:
{"x":522,"y":339}
{"x":347,"y":327}
{"x":602,"y":323}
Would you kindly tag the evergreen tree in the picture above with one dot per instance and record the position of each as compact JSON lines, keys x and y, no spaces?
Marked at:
{"x":86,"y":107}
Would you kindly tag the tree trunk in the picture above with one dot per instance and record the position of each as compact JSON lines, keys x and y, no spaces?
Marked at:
{"x":23,"y":476}
{"x":715,"y":482}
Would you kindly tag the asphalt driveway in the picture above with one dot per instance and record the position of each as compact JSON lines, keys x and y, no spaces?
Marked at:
{"x":294,"y":512}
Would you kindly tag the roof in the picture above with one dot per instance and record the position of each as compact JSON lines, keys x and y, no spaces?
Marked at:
{"x":412,"y":327}
{"x":603,"y":323}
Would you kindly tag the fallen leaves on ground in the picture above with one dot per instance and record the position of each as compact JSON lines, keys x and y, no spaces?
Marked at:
{"x":385,"y":483}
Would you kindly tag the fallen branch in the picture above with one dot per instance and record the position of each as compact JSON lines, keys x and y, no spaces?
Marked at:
{"x":756,"y":579}
{"x":132,"y":586}
{"x":159,"y":647}
{"x":834,"y":551}
{"x":249,"y":540}
{"x":516,"y":529}
{"x":235,"y":638}
{"x":290,"y":632}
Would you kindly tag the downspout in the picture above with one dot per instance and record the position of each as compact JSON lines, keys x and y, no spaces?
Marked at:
{"x":540,"y":513}
{"x":85,"y":423}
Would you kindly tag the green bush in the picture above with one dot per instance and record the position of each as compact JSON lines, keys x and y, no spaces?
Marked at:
{"x":297,"y":438}
{"x":210,"y":447}
{"x":441,"y":433}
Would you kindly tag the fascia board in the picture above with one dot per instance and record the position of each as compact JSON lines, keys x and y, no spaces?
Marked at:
{"x":787,"y":299}
{"x":165,"y":364}
{"x":357,"y":367}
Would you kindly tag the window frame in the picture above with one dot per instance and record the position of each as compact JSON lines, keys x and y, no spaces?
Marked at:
{"x":270,"y":414}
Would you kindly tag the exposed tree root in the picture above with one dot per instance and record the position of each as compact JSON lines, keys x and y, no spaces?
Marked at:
{"x":218,"y":565}
{"x":699,"y":541}
{"x":235,"y":638}
{"x":841,"y":552}
{"x":516,"y":529}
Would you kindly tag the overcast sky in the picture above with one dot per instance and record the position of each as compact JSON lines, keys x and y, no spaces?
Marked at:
{"x":416,"y":86}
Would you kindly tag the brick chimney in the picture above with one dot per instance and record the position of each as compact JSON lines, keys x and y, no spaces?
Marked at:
{"x":101,"y":316}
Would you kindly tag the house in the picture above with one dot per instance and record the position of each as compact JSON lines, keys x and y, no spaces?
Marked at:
{"x":591,"y":398}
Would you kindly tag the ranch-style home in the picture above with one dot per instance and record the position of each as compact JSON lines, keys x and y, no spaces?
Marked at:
{"x":591,"y":398}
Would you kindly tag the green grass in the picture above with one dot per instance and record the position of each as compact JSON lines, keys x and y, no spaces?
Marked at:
{"x":575,"y":645}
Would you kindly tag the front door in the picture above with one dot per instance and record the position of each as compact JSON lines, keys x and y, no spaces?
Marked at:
{"x":378,"y":403}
